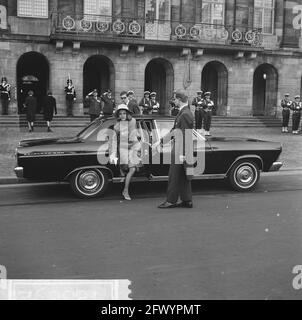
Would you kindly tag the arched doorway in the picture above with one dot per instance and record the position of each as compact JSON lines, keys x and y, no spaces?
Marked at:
{"x":265,"y":90}
{"x":98,"y":74}
{"x":159,"y":77}
{"x":214,"y":78}
{"x":32,"y":74}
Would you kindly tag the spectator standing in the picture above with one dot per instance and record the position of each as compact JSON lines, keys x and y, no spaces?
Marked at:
{"x":174,"y":109}
{"x":132,"y":104}
{"x":49,"y":109}
{"x":30,"y":105}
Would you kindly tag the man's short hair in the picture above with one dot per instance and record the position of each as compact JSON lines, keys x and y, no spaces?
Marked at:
{"x":181,"y":96}
{"x":123,"y":93}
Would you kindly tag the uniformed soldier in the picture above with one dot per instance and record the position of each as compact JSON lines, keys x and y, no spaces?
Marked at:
{"x":199,"y":103}
{"x":132,"y":104}
{"x":108,"y":104}
{"x":286,"y":104}
{"x":5,"y":95}
{"x":145,"y":104}
{"x":297,"y":108}
{"x":208,"y":110}
{"x":70,"y":97}
{"x":95,"y":105}
{"x":154,"y":103}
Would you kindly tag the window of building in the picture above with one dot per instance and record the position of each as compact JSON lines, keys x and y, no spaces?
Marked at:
{"x":158,"y":10}
{"x":32,"y":8}
{"x":98,"y":9}
{"x":264,"y":11}
{"x":213,"y":11}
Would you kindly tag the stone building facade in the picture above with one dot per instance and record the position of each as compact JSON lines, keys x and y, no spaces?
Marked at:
{"x":248,"y":53}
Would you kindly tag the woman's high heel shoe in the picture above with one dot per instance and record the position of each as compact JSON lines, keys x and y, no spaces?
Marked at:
{"x":126,"y":196}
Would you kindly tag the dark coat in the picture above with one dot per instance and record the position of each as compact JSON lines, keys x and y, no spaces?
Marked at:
{"x":146,"y":105}
{"x":179,"y":177}
{"x":49,"y":108}
{"x":95,"y":106}
{"x":109,"y":105}
{"x":31,"y":107}
{"x":133,"y":106}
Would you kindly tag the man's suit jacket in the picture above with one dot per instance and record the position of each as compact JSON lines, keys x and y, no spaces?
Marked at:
{"x":183,"y":125}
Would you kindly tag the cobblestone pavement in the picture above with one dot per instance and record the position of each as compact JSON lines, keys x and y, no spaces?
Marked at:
{"x":292,"y":145}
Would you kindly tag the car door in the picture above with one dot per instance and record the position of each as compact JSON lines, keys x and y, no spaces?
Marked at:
{"x":201,"y":146}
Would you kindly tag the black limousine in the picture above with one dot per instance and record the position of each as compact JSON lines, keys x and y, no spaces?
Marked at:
{"x":75,"y":159}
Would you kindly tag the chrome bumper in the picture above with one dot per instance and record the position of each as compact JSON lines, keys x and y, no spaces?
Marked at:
{"x":19,"y":172}
{"x":276,"y":166}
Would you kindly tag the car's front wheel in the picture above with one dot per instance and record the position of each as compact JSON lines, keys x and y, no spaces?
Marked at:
{"x":89,"y":183}
{"x":244,"y":175}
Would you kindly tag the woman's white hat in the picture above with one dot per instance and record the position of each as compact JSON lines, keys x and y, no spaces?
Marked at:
{"x":122,"y":107}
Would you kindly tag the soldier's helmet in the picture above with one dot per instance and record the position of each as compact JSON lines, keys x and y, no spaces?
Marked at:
{"x":69,"y":81}
{"x":297,"y":97}
{"x":153,"y":94}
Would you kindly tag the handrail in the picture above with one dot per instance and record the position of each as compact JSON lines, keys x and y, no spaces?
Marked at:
{"x":154,"y":29}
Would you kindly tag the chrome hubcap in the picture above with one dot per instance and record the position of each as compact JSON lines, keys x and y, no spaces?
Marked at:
{"x":245,"y":175}
{"x":89,"y":181}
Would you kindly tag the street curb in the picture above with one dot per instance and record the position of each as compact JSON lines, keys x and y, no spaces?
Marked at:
{"x":13,"y":180}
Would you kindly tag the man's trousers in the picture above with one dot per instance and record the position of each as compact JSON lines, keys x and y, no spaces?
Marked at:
{"x":178,"y":185}
{"x":199,"y":115}
{"x":285,"y":117}
{"x":4,"y":103}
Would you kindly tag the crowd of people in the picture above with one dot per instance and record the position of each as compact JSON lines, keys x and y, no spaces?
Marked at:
{"x":105,"y":105}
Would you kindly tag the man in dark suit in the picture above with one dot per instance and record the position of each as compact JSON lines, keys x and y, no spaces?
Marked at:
{"x":179,"y":184}
{"x":133,"y":104}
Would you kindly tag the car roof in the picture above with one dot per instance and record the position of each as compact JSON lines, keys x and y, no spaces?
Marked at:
{"x":145,"y":117}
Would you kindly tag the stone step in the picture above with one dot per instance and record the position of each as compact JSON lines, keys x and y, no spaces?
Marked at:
{"x":82,"y":121}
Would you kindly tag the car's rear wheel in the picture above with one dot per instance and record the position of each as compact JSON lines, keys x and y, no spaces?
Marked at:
{"x":244,"y":175}
{"x":89,"y":183}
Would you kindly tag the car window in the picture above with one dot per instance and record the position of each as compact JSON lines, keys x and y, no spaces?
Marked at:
{"x":164,"y":127}
{"x":100,"y":131}
{"x":86,"y":132}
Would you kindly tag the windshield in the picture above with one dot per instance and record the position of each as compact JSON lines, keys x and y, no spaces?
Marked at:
{"x":88,"y":131}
